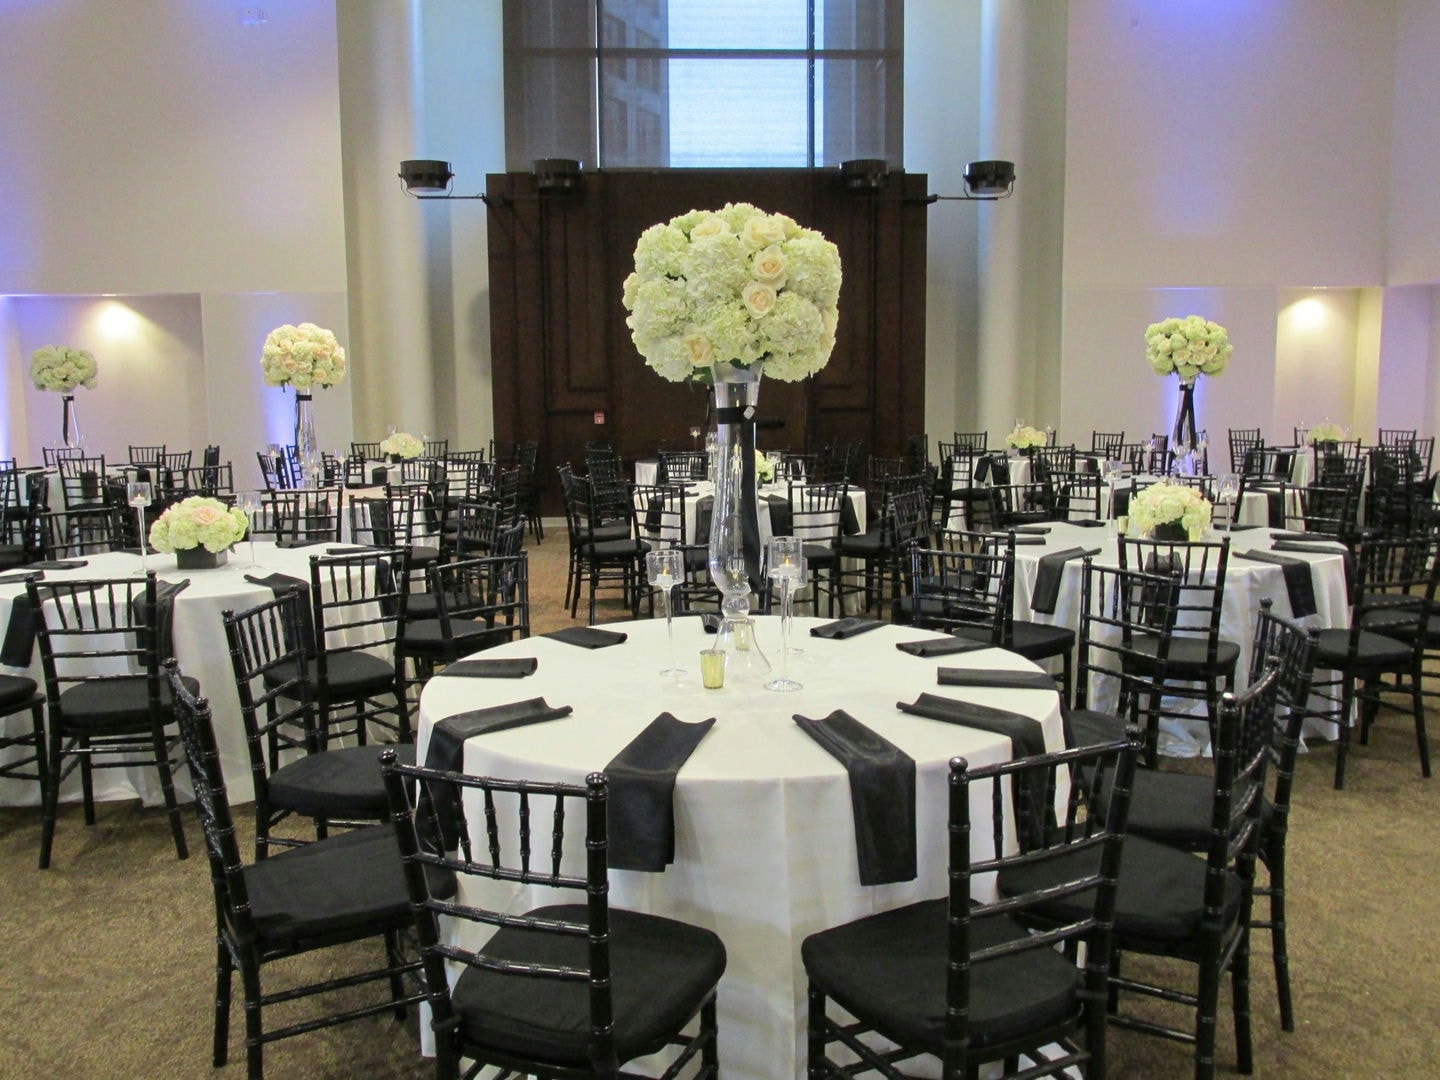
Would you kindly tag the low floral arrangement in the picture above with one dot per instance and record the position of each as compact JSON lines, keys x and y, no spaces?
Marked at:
{"x":402,"y":445}
{"x":1325,"y":432}
{"x":1025,"y":437}
{"x":302,"y":356}
{"x":198,"y":522}
{"x":1166,"y":504}
{"x":1187,"y":347}
{"x":733,"y":285}
{"x":764,"y":468}
{"x":59,"y":367}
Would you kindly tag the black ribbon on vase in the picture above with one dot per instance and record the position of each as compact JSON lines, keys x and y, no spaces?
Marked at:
{"x":1185,"y":435}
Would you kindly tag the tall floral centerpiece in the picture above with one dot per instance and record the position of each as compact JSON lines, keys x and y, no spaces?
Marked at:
{"x":59,"y":367}
{"x":1188,"y":348}
{"x":722,"y":297}
{"x":200,"y":531}
{"x":303,"y":357}
{"x":1024,"y":437}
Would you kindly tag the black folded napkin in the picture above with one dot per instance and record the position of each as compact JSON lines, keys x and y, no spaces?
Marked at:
{"x":587,"y":637}
{"x":379,"y":475}
{"x":19,"y":645}
{"x":60,"y":564}
{"x":1031,"y":530}
{"x":882,"y":795}
{"x":945,"y":646}
{"x":853,"y":626}
{"x":299,"y":543}
{"x":1039,"y":541}
{"x":1243,"y":528}
{"x":279,"y":584}
{"x":165,"y":593}
{"x":997,"y":680}
{"x":1049,"y":574}
{"x":1298,"y":581}
{"x":22,"y":578}
{"x":447,"y":750}
{"x":849,"y":523}
{"x":1027,"y":739}
{"x":710,"y":620}
{"x":447,"y":738}
{"x":782,"y":515}
{"x":653,"y":510}
{"x":641,"y":813}
{"x":1318,"y":546}
{"x":346,"y":549}
{"x":499,"y":668}
{"x":1089,"y":523}
{"x":1290,"y":534}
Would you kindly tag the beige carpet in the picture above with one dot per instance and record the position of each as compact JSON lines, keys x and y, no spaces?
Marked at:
{"x":106,"y":960}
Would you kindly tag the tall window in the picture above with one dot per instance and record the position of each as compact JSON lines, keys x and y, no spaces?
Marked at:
{"x":703,"y":83}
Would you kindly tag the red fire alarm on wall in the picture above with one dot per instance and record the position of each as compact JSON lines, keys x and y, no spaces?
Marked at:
{"x":599,"y":416}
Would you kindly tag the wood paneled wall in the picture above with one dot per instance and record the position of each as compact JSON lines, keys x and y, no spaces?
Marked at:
{"x":562,"y":355}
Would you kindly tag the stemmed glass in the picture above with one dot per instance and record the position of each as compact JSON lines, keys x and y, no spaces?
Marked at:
{"x":1228,"y":492}
{"x":695,"y":437}
{"x":138,"y":493}
{"x":1111,"y":471}
{"x":664,"y":568}
{"x":248,"y":503}
{"x":785,"y":563}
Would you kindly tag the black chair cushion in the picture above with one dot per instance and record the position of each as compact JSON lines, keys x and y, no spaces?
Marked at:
{"x":661,"y":972}
{"x":352,"y":882}
{"x":349,"y":675}
{"x":423,"y":637}
{"x":344,"y":782}
{"x":422,"y":605}
{"x":15,"y":690}
{"x":1035,"y":640}
{"x":115,"y":704}
{"x":863,"y":545}
{"x":1089,"y":728}
{"x":889,"y":971}
{"x":1159,"y":900}
{"x":1189,"y":655}
{"x":1172,"y":807}
{"x":615,"y":550}
{"x":1372,"y":650}
{"x":818,"y":555}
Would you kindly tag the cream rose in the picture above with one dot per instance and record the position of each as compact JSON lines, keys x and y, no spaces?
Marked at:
{"x":759,"y":299}
{"x":698,"y":349}
{"x":763,"y":230}
{"x":713,"y":225}
{"x":769,"y":266}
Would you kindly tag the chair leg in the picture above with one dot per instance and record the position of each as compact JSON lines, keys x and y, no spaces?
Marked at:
{"x":1417,"y":706}
{"x":815,"y":1035}
{"x":1347,"y":704}
{"x":221,"y":1050}
{"x":1240,"y":994}
{"x":167,"y":788}
{"x":50,"y":796}
{"x":87,"y":780}
{"x":254,"y":1048}
{"x":393,"y":959}
{"x":1207,"y":1003}
{"x":1279,"y":946}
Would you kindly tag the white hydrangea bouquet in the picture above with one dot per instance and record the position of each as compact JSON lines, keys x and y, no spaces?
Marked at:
{"x":302,"y":356}
{"x":198,"y":522}
{"x":1326,"y":431}
{"x":402,"y":445}
{"x":1169,"y":504}
{"x":764,"y":468}
{"x":733,"y":285}
{"x":1024,"y":437}
{"x":1187,"y":347}
{"x":59,"y":367}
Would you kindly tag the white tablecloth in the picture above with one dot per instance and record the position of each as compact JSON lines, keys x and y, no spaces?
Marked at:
{"x":764,"y":847}
{"x":199,"y":637}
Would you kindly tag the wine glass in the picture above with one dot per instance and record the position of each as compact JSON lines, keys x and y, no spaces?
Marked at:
{"x":664,"y":568}
{"x":248,"y":503}
{"x":785,"y":564}
{"x":1228,"y":492}
{"x":139,"y":493}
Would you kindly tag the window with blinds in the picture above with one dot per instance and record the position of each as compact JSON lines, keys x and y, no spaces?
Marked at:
{"x":703,"y":83}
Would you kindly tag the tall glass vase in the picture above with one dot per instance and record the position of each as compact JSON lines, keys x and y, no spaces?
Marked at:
{"x":734,"y":556}
{"x":1184,"y":437}
{"x":307,"y":446}
{"x":69,"y":422}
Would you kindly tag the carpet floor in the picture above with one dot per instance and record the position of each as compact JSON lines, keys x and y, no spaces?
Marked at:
{"x":107,"y":958}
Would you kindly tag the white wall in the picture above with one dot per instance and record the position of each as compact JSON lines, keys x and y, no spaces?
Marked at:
{"x":1414,"y":233}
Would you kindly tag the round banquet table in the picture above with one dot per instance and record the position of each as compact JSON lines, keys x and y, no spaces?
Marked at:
{"x":1246,"y":584}
{"x":765,"y":848}
{"x":199,"y":639}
